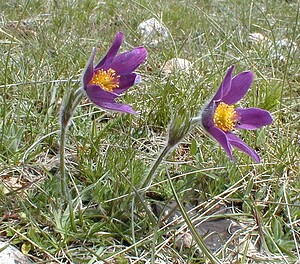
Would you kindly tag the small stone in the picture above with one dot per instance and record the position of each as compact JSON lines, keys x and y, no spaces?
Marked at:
{"x":183,"y":241}
{"x":11,"y":255}
{"x":257,"y":38}
{"x":152,"y":32}
{"x":286,"y":44}
{"x":177,"y":64}
{"x":11,"y":184}
{"x":279,"y":51}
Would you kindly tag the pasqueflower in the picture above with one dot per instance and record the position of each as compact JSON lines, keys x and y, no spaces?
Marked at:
{"x":220,"y":117}
{"x":113,"y":75}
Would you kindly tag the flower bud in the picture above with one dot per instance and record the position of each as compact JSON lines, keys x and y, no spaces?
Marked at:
{"x":178,"y":128}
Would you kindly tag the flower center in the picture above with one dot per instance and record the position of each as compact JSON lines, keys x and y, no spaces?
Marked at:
{"x":108,"y":80}
{"x":225,"y":117}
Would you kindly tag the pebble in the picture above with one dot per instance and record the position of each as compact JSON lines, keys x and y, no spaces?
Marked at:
{"x":11,"y":255}
{"x":152,"y":32}
{"x":177,"y":64}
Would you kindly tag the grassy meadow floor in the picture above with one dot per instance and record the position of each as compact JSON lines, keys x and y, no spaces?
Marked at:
{"x":44,"y":46}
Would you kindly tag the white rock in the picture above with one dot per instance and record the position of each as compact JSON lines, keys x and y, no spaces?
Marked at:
{"x":279,"y":51}
{"x":257,"y":38}
{"x":11,"y":255}
{"x":286,"y":44}
{"x":152,"y":31}
{"x":177,"y":64}
{"x":183,"y":241}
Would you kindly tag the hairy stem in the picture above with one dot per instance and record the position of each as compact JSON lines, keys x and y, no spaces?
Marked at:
{"x":71,"y":101}
{"x":62,"y":162}
{"x":147,"y":180}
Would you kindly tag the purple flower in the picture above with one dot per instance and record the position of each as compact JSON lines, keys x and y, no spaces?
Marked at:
{"x":220,"y":116}
{"x":113,"y":75}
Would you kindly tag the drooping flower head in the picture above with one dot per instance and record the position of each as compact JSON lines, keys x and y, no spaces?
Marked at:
{"x":113,"y":75}
{"x":220,"y":117}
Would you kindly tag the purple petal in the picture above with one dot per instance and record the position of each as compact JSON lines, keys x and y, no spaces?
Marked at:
{"x":221,"y":138}
{"x":253,"y":118}
{"x":225,"y":85}
{"x":106,"y":100}
{"x":126,"y":81}
{"x":96,"y":94}
{"x":127,"y":62}
{"x":117,"y":107}
{"x":239,"y":86}
{"x":241,"y":145}
{"x":89,"y":69}
{"x":112,"y":52}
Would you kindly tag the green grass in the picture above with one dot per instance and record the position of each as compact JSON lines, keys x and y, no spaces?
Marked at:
{"x":44,"y":49}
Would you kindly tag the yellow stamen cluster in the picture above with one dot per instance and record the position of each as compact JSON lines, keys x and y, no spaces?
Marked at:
{"x":225,"y":117}
{"x":108,"y":80}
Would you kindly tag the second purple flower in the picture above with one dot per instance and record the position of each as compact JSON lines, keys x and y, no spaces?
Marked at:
{"x":219,"y":118}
